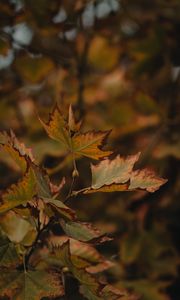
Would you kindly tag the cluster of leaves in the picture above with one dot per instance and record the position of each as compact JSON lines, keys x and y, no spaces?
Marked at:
{"x":117,"y":61}
{"x":36,"y":259}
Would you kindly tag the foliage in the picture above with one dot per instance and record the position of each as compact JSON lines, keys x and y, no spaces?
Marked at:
{"x":42,"y":255}
{"x":117,"y":63}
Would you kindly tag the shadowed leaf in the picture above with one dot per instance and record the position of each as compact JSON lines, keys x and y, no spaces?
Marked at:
{"x":8,"y":254}
{"x":20,"y":285}
{"x":19,"y":193}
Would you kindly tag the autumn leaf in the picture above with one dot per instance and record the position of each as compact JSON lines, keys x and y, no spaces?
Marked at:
{"x":90,"y":144}
{"x":8,"y":253}
{"x":32,"y":284}
{"x":80,"y":230}
{"x":60,"y":208}
{"x":146,"y":179}
{"x":57,"y":127}
{"x":16,"y":150}
{"x":15,"y":227}
{"x":118,"y":175}
{"x":73,"y":125}
{"x":82,"y":144}
{"x":19,"y":193}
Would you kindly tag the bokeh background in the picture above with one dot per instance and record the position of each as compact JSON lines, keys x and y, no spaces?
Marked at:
{"x":118,"y":64}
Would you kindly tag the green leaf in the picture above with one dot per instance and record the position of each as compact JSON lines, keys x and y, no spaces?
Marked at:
{"x":19,"y":193}
{"x":36,"y":284}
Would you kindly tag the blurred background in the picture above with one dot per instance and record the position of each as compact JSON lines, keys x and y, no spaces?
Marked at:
{"x":118,"y":64}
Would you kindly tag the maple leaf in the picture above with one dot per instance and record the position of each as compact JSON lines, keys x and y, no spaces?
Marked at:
{"x":33,"y":284}
{"x":57,"y":127}
{"x":82,"y":144}
{"x":118,"y":175}
{"x":19,"y":193}
{"x":90,"y":144}
{"x":73,"y":125}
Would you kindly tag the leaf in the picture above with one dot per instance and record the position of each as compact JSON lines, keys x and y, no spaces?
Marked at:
{"x":80,"y":230}
{"x":19,"y":193}
{"x":87,"y":144}
{"x":146,"y":179}
{"x":90,"y":143}
{"x":35,"y":284}
{"x":15,"y":227}
{"x":42,"y":181}
{"x":60,"y":208}
{"x":17,"y":151}
{"x":8,"y":253}
{"x":16,"y":156}
{"x":118,"y":175}
{"x":117,"y":170}
{"x":73,"y":125}
{"x":70,"y":253}
{"x":57,"y":127}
